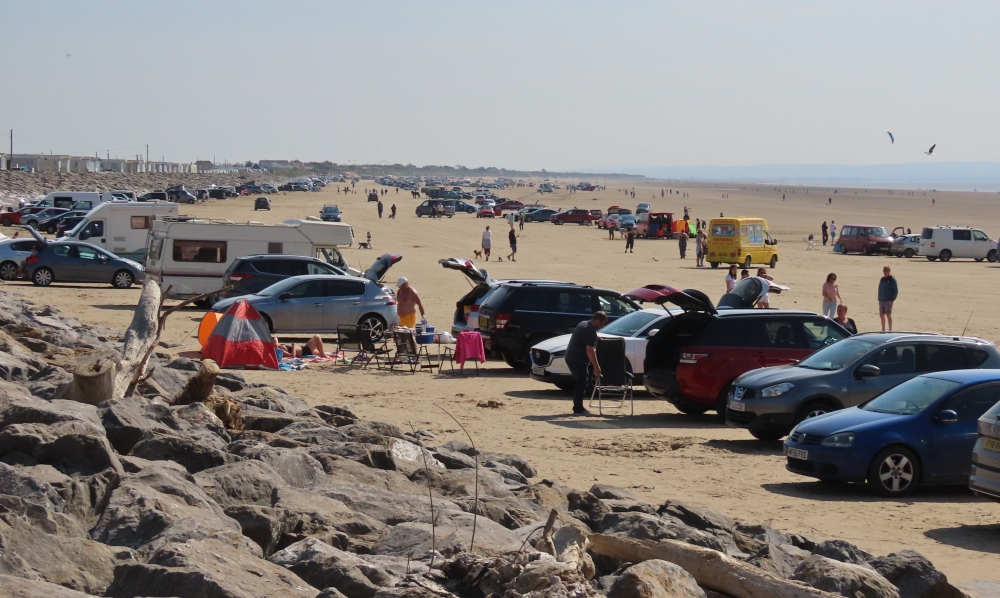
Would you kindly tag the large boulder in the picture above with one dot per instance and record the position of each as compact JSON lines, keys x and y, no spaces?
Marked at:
{"x":655,"y":579}
{"x":383,"y":505}
{"x":324,"y":566}
{"x":30,"y":410}
{"x":19,"y":587}
{"x":451,"y":535}
{"x":846,"y":579}
{"x":249,"y":482}
{"x":325,"y":518}
{"x":843,"y":551}
{"x":642,"y":526}
{"x":71,"y":446}
{"x":193,"y":455}
{"x":126,"y":421}
{"x":295,"y":466}
{"x":914,"y":575}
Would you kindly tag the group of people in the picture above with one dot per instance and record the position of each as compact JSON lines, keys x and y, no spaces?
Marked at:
{"x":834,"y":306}
{"x":487,"y":244}
{"x":829,"y":232}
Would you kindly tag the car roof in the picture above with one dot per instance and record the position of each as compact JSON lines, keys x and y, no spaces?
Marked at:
{"x":328,"y":277}
{"x":886,"y":337}
{"x":279,"y":256}
{"x":967,"y":376}
{"x":729,"y":313}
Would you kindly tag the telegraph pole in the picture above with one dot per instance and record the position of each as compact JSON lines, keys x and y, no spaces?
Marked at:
{"x":11,"y":158}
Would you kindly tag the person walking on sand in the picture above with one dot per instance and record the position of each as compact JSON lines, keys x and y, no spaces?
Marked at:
{"x":765,"y":301}
{"x":380,"y":208}
{"x":393,"y":209}
{"x":407,"y":303}
{"x":826,"y":232}
{"x":701,"y":246}
{"x":487,"y":242}
{"x":520,"y":222}
{"x":512,"y":239}
{"x":888,"y":290}
{"x":731,"y":278}
{"x":844,"y":321}
{"x":581,"y":357}
{"x":833,"y":232}
{"x":831,"y":295}
{"x":630,"y":239}
{"x":682,"y":244}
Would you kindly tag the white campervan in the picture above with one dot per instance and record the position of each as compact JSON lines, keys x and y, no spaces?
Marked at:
{"x":122,"y":227}
{"x":76,"y":200}
{"x":946,"y":242}
{"x":189,"y":257}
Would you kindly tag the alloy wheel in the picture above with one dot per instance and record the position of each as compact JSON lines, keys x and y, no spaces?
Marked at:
{"x":895,"y":473}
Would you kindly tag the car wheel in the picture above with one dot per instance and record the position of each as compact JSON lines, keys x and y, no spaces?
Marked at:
{"x":843,"y":248}
{"x":43,"y":277}
{"x":812,"y":409}
{"x":774,"y":261}
{"x":722,"y":401}
{"x":992,"y":255}
{"x":270,"y":324}
{"x":945,"y":255}
{"x":767,"y":436}
{"x":747,"y":262}
{"x":32,"y":223}
{"x":690,"y":409}
{"x":122,"y":279}
{"x":52,"y":230}
{"x":560,"y":221}
{"x":908,"y":253}
{"x":931,"y":259}
{"x":190,"y":201}
{"x":8,"y":271}
{"x":865,"y":250}
{"x":527,"y":218}
{"x":510,"y":360}
{"x":5,"y":221}
{"x":374,"y":324}
{"x":714,"y":264}
{"x":894,"y":472}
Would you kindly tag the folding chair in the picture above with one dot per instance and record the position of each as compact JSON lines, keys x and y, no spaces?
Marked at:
{"x":468,"y":345}
{"x":810,"y":243}
{"x":354,"y":338}
{"x":349,"y":339}
{"x":615,"y":379}
{"x":407,"y":352}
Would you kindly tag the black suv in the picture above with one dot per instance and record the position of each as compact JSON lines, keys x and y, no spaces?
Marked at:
{"x":262,"y":203}
{"x":518,"y":315}
{"x":255,"y":273}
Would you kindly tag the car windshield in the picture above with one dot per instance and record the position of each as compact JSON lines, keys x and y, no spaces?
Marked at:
{"x":277,"y":288}
{"x":838,"y":355}
{"x":911,"y":397}
{"x":877,"y":231}
{"x":630,"y":324}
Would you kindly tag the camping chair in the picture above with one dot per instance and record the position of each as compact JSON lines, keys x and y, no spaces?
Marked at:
{"x":349,"y":339}
{"x":407,"y":351}
{"x":615,"y":379}
{"x":370,"y":350}
{"x":468,"y":347}
{"x":810,"y":243}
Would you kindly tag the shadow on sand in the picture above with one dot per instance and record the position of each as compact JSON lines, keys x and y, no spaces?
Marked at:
{"x":980,"y":538}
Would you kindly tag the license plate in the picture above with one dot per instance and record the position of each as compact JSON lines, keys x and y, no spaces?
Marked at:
{"x":795,"y":453}
{"x":537,"y":370}
{"x":992,"y":444}
{"x":737,"y":406}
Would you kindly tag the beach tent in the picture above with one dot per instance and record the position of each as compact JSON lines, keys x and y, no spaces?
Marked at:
{"x":241,"y":340}
{"x":206,"y":327}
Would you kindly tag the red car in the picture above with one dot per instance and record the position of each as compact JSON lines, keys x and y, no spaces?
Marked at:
{"x":694,"y":358}
{"x":578,"y":215}
{"x":9,"y":218}
{"x":510,"y":204}
{"x":486,"y":211}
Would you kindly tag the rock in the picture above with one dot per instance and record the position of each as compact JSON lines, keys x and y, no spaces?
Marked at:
{"x":13,"y":369}
{"x":16,"y":482}
{"x":207,"y":568}
{"x":628,"y":506}
{"x":697,"y":517}
{"x":331,"y":593}
{"x":200,"y":416}
{"x":126,"y":421}
{"x":295,"y":466}
{"x":156,"y":446}
{"x":843,"y":551}
{"x":531,"y":574}
{"x":512,"y":513}
{"x":914,"y":575}
{"x":383,"y":505}
{"x":29,"y":410}
{"x":407,"y":451}
{"x":18,"y":587}
{"x":170,"y":380}
{"x":571,"y":547}
{"x":452,"y":459}
{"x":648,"y":527}
{"x":453,"y":533}
{"x":326,"y":518}
{"x":73,"y":446}
{"x":462,"y":482}
{"x":655,"y":579}
{"x":780,"y":559}
{"x":517,"y":462}
{"x":370,"y":455}
{"x":587,"y":508}
{"x":846,"y":579}
{"x":272,"y":399}
{"x":511,"y":476}
{"x":231,"y":381}
{"x":373,"y":432}
{"x":607,"y":492}
{"x":267,"y":527}
{"x":459,"y":446}
{"x":344,"y":470}
{"x":242,"y":483}
{"x":255,"y":418}
{"x":184,"y":364}
{"x":312,"y":432}
{"x":323,"y":566}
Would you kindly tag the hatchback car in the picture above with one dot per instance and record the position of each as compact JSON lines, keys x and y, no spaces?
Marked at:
{"x":770,"y":401}
{"x":11,"y":218}
{"x":985,"y":477}
{"x":32,"y":220}
{"x":330,"y":213}
{"x":262,"y":203}
{"x":72,"y":261}
{"x":920,"y":432}
{"x":905,"y":245}
{"x":576,"y":215}
{"x":486,"y":211}
{"x":12,"y":253}
{"x":867,"y":239}
{"x":253,"y":273}
{"x":540,"y":215}
{"x":695,"y":357}
{"x":317,"y":304}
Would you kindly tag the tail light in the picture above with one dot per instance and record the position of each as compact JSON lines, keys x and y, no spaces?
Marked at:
{"x":31,"y":260}
{"x":693,"y":357}
{"x":932,"y":244}
{"x":389,"y":299}
{"x":502,"y":321}
{"x":239,"y":277}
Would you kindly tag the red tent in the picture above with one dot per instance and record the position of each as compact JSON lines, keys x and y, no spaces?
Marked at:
{"x":241,"y":339}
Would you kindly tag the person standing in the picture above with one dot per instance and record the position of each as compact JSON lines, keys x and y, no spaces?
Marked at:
{"x":380,"y":208}
{"x":826,"y":232}
{"x":520,"y":221}
{"x":682,"y":244}
{"x":701,"y":242}
{"x":831,"y":295}
{"x":765,"y":301}
{"x":407,"y":303}
{"x":888,"y":290}
{"x":512,"y":239}
{"x":833,"y":232}
{"x":487,"y":242}
{"x":731,"y":278}
{"x":581,"y":357}
{"x":844,"y":321}
{"x":629,"y":239}
{"x":392,"y":209}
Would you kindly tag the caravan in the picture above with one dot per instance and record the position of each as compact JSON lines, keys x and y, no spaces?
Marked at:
{"x":122,"y":227}
{"x":77,"y":200}
{"x":188,"y":257}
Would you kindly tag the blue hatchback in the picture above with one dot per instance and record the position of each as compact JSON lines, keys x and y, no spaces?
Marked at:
{"x":922,"y":431}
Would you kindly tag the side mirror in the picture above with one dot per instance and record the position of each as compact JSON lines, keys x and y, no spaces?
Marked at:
{"x":947,"y":417}
{"x":284,"y":296}
{"x":652,"y":332}
{"x":867,"y":371}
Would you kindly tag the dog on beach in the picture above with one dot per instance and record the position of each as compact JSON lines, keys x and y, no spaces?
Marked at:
{"x":478,"y":253}
{"x":363,"y":245}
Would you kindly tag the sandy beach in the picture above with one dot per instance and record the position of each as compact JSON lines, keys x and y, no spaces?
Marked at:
{"x":659,"y":453}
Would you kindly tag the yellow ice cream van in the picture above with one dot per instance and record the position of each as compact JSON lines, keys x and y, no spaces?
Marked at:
{"x":742,"y":241}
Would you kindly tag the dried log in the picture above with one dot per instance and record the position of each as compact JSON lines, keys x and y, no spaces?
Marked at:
{"x":712,"y":569}
{"x":200,"y":386}
{"x":140,"y":339}
{"x":93,"y":379}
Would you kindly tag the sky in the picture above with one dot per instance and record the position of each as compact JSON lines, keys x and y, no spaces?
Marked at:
{"x":520,"y":85}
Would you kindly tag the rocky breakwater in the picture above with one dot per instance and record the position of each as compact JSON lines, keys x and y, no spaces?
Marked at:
{"x":142,"y":496}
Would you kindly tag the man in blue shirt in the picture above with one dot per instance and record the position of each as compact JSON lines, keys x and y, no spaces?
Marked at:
{"x":888,"y":290}
{"x":581,"y":356}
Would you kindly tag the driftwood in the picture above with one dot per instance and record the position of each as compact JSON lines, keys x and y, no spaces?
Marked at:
{"x":200,"y":386}
{"x":547,"y":544}
{"x":93,"y":379}
{"x":712,"y":569}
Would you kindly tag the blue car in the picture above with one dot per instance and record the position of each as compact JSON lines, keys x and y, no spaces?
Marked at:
{"x":922,"y":431}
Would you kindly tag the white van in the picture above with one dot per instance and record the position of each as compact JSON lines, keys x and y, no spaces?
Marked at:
{"x":122,"y":227}
{"x":75,"y":200}
{"x":946,"y":242}
{"x":189,"y":257}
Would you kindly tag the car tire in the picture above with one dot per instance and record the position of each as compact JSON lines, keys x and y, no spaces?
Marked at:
{"x":945,"y":255}
{"x":267,"y":320}
{"x":865,"y":250}
{"x":714,"y":264}
{"x":894,"y":472}
{"x":191,"y":201}
{"x":122,"y":279}
{"x":908,"y":253}
{"x":42,"y":277}
{"x":8,"y":270}
{"x":31,"y":223}
{"x":766,"y":435}
{"x":52,"y":230}
{"x":811,"y":410}
{"x":747,"y":262}
{"x":843,"y":248}
{"x":510,"y":360}
{"x":931,"y":258}
{"x":5,"y":221}
{"x":560,"y":222}
{"x":722,"y":402}
{"x":774,"y":262}
{"x":992,"y":255}
{"x":374,"y":324}
{"x":690,"y":409}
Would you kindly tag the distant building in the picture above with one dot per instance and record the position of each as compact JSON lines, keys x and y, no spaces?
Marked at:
{"x":80,"y":164}
{"x":204,"y":165}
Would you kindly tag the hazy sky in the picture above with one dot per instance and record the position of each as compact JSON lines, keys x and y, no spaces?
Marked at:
{"x":555,"y":85}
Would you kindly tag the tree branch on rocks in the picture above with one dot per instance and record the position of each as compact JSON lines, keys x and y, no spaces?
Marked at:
{"x":475,"y":456}
{"x":430,"y":495}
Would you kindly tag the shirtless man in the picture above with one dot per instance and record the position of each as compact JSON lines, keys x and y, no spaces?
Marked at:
{"x":407,"y":302}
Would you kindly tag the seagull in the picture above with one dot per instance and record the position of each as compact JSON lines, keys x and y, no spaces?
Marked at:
{"x":891,"y":138}
{"x":930,"y":152}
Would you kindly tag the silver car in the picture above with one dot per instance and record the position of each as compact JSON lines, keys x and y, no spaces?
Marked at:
{"x":318,"y":303}
{"x":72,"y":261}
{"x":12,"y":253}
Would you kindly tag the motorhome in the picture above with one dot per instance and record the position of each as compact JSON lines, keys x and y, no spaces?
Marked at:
{"x":122,"y":227}
{"x":76,"y":200}
{"x":188,"y":257}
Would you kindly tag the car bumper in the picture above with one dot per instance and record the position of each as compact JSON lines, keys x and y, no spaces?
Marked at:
{"x":985,"y":475}
{"x":844,"y":465}
{"x":769,"y":415}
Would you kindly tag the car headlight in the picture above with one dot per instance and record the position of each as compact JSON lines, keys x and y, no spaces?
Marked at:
{"x":841,"y":440}
{"x":777,"y":390}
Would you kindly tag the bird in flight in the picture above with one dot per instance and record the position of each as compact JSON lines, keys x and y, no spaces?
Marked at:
{"x":930,"y":152}
{"x":891,"y":138}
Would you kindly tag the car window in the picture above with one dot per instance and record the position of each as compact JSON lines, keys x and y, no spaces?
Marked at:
{"x":85,"y":253}
{"x":896,"y":359}
{"x":971,"y":404}
{"x":344,"y":288}
{"x":632,"y":323}
{"x":96,"y":228}
{"x":721,"y":332}
{"x":877,"y":231}
{"x":304,"y":290}
{"x":961,"y":235}
{"x":200,"y":251}
{"x":613,"y":306}
{"x":977,"y":357}
{"x":569,"y":302}
{"x":939,"y":358}
{"x":820,"y":333}
{"x":979,"y":235}
{"x":24,"y":245}
{"x":316,"y":268}
{"x":911,"y":397}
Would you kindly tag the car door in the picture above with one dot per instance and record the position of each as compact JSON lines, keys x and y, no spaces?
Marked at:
{"x":774,"y":341}
{"x":343,"y":304}
{"x":961,"y":244}
{"x":82,"y":264}
{"x":896,"y":364}
{"x":951,"y":443}
{"x":981,"y":244}
{"x":302,"y":308}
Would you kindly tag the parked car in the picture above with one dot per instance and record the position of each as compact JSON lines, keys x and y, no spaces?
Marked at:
{"x":262,"y":203}
{"x":73,"y":261}
{"x":67,"y":224}
{"x":866,"y":239}
{"x":540,"y":215}
{"x":318,"y":303}
{"x":920,"y":432}
{"x":985,"y":477}
{"x":428,"y":207}
{"x":641,"y":208}
{"x":461,"y":206}
{"x":575,"y":215}
{"x":486,"y":211}
{"x":695,"y":357}
{"x":946,"y":242}
{"x":153,"y":196}
{"x":519,"y":315}
{"x":907,"y":245}
{"x":510,"y":204}
{"x":625,"y":221}
{"x":253,"y":273}
{"x":11,"y":218}
{"x":51,"y":225}
{"x":612,"y":216}
{"x":45,"y":215}
{"x":268,"y":188}
{"x":12,"y":253}
{"x":330,"y":213}
{"x":771,"y":401}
